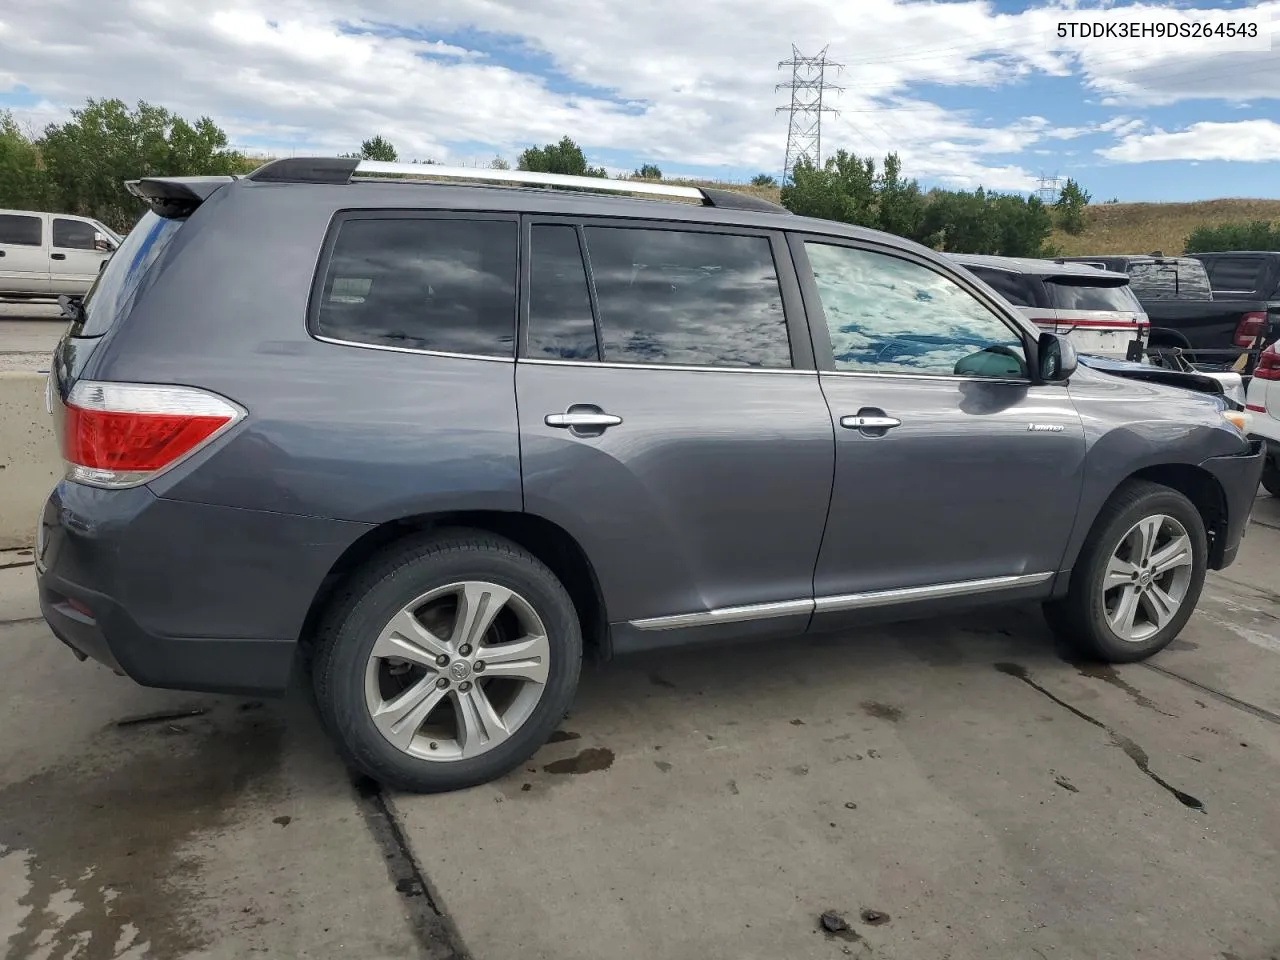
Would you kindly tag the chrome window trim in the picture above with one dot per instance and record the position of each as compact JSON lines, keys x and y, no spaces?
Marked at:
{"x":429,"y":353}
{"x":688,"y":368}
{"x":832,"y":604}
{"x":926,"y":376}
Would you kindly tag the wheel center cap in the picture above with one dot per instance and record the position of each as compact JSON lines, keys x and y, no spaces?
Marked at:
{"x":460,"y":670}
{"x":1145,"y":579}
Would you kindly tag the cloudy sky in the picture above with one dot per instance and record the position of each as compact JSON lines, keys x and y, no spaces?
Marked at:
{"x":968,"y":92}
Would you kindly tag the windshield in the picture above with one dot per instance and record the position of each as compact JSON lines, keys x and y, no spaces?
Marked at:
{"x":1070,"y":293}
{"x":113,"y":292}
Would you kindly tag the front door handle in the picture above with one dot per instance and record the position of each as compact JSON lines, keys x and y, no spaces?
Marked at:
{"x":870,"y":422}
{"x":57,"y":256}
{"x":583,"y":420}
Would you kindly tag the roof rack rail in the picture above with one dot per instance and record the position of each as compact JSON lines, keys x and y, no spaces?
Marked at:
{"x":339,"y":170}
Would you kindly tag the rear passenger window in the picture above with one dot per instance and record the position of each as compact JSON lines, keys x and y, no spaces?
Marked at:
{"x":1235,"y":274}
{"x":20,"y":231}
{"x":72,"y":234}
{"x":1069,"y":293}
{"x":680,"y":297}
{"x":560,"y":322}
{"x":424,"y":284}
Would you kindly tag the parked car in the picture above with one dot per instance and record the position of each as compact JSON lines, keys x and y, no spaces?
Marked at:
{"x":1093,"y":307}
{"x":51,"y":254}
{"x":1263,"y":404}
{"x":1216,"y":328}
{"x":436,"y":440}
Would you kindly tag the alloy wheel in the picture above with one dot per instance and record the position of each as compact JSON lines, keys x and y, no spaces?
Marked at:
{"x":1147,"y":578}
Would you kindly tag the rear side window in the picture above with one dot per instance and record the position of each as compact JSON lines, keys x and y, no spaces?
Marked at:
{"x":434,"y":284}
{"x":1014,"y":287}
{"x":1178,"y":280}
{"x":560,"y":322}
{"x":21,"y":231}
{"x":1235,"y":274}
{"x":72,"y":234}
{"x":113,"y":293}
{"x":1070,"y":294}
{"x":684,"y":297}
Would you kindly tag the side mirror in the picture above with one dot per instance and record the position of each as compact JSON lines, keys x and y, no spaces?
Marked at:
{"x":101,"y":243}
{"x":1057,"y":358}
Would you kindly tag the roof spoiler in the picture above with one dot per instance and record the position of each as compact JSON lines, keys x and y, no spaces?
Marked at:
{"x":341,"y":170}
{"x":175,"y":197}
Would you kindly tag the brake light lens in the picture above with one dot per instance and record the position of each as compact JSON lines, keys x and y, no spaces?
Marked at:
{"x":1247,"y":330}
{"x":125,"y":434}
{"x":1268,"y":367}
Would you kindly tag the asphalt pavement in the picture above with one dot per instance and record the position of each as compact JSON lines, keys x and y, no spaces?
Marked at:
{"x":29,"y":330}
{"x":942,"y":789}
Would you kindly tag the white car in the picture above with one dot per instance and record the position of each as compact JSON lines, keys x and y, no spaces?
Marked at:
{"x":1095,"y":308}
{"x":1263,"y":403}
{"x":51,"y":254}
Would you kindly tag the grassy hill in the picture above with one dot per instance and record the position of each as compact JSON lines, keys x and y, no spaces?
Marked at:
{"x":1145,"y":227}
{"x":1121,"y":227}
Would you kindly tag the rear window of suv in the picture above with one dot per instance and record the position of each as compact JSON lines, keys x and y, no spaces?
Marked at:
{"x":437,"y":284}
{"x":1068,"y":293}
{"x":114,"y":291}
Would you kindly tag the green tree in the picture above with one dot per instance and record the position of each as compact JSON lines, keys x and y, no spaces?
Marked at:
{"x":565,"y":157}
{"x":763,"y":180}
{"x":498,"y":163}
{"x":88,"y":159}
{"x":22,"y":177}
{"x":649,"y":171}
{"x":1070,"y":207}
{"x":901,"y":205}
{"x":380,"y":148}
{"x":1254,"y":235}
{"x":843,"y":189}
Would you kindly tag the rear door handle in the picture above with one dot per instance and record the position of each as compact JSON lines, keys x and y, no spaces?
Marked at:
{"x":870,"y":422}
{"x":580,"y":420}
{"x":57,"y":256}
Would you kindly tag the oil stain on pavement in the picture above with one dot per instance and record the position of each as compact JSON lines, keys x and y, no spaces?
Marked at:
{"x":97,"y":846}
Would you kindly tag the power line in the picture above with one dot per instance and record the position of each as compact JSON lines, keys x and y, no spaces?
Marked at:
{"x":808,"y":85}
{"x":1049,"y":188}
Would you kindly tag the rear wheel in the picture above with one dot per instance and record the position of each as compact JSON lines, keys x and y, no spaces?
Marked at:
{"x":447,"y":663}
{"x":1138,"y":577}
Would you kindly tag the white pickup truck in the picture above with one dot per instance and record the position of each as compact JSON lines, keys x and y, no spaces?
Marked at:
{"x":51,"y":254}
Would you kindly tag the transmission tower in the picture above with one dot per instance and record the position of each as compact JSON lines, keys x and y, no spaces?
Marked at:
{"x":1048,"y":190}
{"x":807,"y":86}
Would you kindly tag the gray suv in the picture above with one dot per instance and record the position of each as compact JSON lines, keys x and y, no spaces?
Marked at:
{"x":434,"y":441}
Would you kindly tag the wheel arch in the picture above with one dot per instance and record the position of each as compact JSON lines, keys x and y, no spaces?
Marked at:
{"x":1194,"y":482}
{"x":547,"y":541}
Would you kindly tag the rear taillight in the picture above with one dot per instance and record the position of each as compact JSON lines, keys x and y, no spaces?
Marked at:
{"x":124,"y":434}
{"x":1268,"y":367}
{"x":1249,"y":327}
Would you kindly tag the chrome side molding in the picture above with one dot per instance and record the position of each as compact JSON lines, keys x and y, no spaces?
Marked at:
{"x":833,"y":604}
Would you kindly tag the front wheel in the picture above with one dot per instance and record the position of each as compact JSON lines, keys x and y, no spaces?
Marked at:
{"x":1138,"y":577}
{"x":447,"y":663}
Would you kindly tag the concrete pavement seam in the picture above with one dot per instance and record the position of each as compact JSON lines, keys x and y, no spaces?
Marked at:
{"x":434,"y":931}
{"x":1260,"y":712}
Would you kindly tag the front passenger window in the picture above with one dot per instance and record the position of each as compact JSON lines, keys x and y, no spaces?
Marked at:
{"x":889,"y":315}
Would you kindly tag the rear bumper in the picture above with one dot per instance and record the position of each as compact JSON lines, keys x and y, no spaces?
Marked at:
{"x":1239,"y":476}
{"x":182,"y":595}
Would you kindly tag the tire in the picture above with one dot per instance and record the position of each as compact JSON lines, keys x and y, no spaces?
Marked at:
{"x":1083,"y":618}
{"x":459,"y":570}
{"x":1271,"y":476}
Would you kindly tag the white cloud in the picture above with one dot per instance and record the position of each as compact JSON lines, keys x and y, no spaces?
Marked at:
{"x":682,"y":84}
{"x":1250,"y":140}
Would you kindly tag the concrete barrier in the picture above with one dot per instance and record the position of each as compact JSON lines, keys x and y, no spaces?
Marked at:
{"x":30,"y":463}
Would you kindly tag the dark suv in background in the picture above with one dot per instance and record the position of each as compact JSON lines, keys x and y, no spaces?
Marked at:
{"x":443,"y":437}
